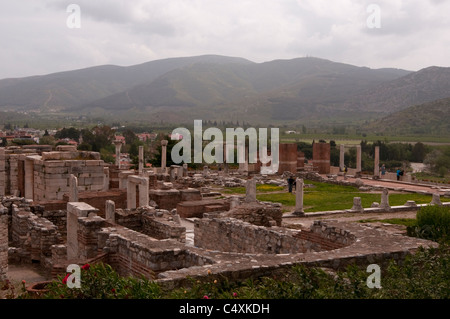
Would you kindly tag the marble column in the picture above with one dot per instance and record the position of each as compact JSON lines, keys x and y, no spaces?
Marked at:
{"x":299,"y":197}
{"x":376,"y":168}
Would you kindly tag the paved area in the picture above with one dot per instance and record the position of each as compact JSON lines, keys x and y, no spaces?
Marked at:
{"x":306,"y":222}
{"x":16,"y":273}
{"x":405,"y":186}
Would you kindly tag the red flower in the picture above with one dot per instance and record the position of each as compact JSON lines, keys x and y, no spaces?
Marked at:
{"x":205,"y":297}
{"x":113,"y":290}
{"x":234,"y":294}
{"x":86,"y":267}
{"x":64,"y":281}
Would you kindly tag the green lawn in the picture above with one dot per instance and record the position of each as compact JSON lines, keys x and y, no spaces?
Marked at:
{"x":327,"y":197}
{"x":259,"y":188}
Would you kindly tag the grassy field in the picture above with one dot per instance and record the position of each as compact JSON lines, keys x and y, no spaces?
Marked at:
{"x":328,"y":197}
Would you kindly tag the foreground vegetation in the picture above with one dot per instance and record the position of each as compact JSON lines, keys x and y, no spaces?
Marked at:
{"x":424,"y":275}
{"x":421,"y":276}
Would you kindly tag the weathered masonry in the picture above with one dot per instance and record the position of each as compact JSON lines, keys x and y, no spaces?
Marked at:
{"x":46,"y":176}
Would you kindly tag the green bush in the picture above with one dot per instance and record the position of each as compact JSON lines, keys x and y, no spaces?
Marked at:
{"x":423,"y":275}
{"x":433,"y":222}
{"x":100,"y":281}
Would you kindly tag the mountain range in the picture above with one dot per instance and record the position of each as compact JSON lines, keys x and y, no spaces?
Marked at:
{"x":221,"y":88}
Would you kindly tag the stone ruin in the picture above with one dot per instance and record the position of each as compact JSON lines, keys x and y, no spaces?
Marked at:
{"x":69,"y":207}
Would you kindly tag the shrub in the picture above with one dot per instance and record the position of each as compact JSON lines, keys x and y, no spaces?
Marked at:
{"x":100,"y":281}
{"x":433,"y":222}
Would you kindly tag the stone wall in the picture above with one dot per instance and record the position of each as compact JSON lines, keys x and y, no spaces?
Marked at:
{"x":131,"y":253}
{"x":51,"y":177}
{"x":3,"y":242}
{"x":257,"y":214}
{"x":129,"y":218}
{"x":162,"y":228}
{"x":326,"y":237}
{"x":165,"y":199}
{"x":98,"y":199}
{"x":158,"y":224}
{"x":88,"y":229}
{"x":232,"y":235}
{"x":191,"y":209}
{"x":32,"y":237}
{"x":3,"y":180}
{"x":56,"y":217}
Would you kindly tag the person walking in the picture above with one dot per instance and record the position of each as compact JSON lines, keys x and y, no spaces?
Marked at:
{"x":383,"y":170}
{"x":291,"y":182}
{"x":398,"y":173}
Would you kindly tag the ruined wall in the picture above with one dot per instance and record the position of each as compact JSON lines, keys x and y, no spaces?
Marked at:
{"x":88,"y":229}
{"x":51,"y":177}
{"x":232,"y":235}
{"x":131,"y":253}
{"x":326,"y":237}
{"x":165,"y":199}
{"x":256,"y":214}
{"x":162,"y":228}
{"x":158,"y":224}
{"x":56,"y":217}
{"x":191,"y":209}
{"x":97,"y":199}
{"x":3,"y":181}
{"x":32,"y":237}
{"x":3,"y":243}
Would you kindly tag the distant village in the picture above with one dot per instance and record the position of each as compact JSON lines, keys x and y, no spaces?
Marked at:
{"x":26,"y":135}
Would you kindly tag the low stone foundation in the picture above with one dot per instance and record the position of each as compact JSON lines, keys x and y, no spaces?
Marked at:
{"x":257,"y":214}
{"x":191,"y":209}
{"x":131,"y":253}
{"x":158,"y":224}
{"x":232,"y":235}
{"x":98,"y":199}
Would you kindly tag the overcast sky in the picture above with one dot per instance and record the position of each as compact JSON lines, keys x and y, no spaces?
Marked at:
{"x":35,"y":38}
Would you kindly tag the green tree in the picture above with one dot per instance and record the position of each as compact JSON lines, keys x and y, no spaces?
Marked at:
{"x":418,"y":152}
{"x":99,"y":137}
{"x":130,"y":137}
{"x":47,"y":140}
{"x":70,"y":132}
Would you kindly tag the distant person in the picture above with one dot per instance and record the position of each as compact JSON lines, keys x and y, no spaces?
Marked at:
{"x":345,"y":171}
{"x":383,"y":170}
{"x":398,"y":174}
{"x":291,"y":183}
